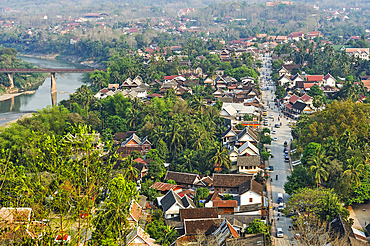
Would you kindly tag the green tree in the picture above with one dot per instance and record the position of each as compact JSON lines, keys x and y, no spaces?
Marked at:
{"x":256,"y":227}
{"x":321,"y":202}
{"x":355,"y":170}
{"x":280,"y":92}
{"x":300,"y":178}
{"x":315,"y":91}
{"x":111,"y":219}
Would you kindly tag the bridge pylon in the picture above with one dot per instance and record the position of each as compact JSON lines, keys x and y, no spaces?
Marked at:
{"x":53,"y":83}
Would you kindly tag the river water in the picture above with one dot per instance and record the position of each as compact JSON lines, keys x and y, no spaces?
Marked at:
{"x":66,"y":83}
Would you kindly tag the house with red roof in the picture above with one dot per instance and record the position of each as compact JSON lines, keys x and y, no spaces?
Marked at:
{"x":362,"y":53}
{"x":315,"y":78}
{"x":314,"y":34}
{"x":329,"y":80}
{"x":295,"y":36}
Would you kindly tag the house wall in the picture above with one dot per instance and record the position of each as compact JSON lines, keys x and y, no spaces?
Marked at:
{"x":229,"y":190}
{"x":146,"y":147}
{"x":252,"y":169}
{"x":245,"y":198}
{"x":174,"y":211}
{"x":209,"y":204}
{"x":330,"y":82}
{"x":233,"y":156}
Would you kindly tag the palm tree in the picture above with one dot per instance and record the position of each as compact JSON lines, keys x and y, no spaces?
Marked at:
{"x":157,"y":134}
{"x":132,"y":114}
{"x":187,"y":159}
{"x":174,"y":137}
{"x":347,"y":139}
{"x":355,"y":170}
{"x":318,"y":158}
{"x":130,"y":172}
{"x":319,"y":172}
{"x":220,"y":156}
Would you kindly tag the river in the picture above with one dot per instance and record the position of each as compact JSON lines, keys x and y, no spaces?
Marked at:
{"x":66,"y":83}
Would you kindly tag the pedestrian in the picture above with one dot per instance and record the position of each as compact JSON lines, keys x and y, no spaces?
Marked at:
{"x":365,"y":223}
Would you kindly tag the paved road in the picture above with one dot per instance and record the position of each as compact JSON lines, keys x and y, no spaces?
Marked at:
{"x":281,"y":168}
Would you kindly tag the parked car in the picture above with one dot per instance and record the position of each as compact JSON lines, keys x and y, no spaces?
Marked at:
{"x":279,"y":233}
{"x":273,"y":132}
{"x":275,"y":139}
{"x":287,"y":158}
{"x":286,"y":152}
{"x":285,"y":144}
{"x":271,"y":168}
{"x":281,"y":206}
{"x":285,"y":149}
{"x":280,"y":198}
{"x":277,"y":125}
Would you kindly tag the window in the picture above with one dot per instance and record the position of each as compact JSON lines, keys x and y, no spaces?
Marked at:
{"x":251,"y":199}
{"x":146,"y":147}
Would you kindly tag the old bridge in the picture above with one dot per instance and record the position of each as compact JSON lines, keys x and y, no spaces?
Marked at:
{"x":52,"y":71}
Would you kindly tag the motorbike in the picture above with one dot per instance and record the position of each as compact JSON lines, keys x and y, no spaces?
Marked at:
{"x":276,"y":177}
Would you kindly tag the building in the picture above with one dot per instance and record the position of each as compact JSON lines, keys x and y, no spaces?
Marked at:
{"x":248,"y":164}
{"x":134,"y":143}
{"x":229,"y":183}
{"x":171,"y":204}
{"x":362,"y":53}
{"x":186,"y":180}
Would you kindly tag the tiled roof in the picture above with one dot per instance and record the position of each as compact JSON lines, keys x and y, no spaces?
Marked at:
{"x":170,"y":199}
{"x":139,"y":232}
{"x":213,"y":196}
{"x":359,"y":50}
{"x":229,"y":180}
{"x":327,"y":76}
{"x":248,"y":161}
{"x":299,"y":84}
{"x":305,"y":98}
{"x":164,"y":186}
{"x":314,"y":77}
{"x":181,"y":178}
{"x":293,"y":99}
{"x":288,"y":106}
{"x":251,"y":185}
{"x":198,"y":213}
{"x":202,"y":226}
{"x":104,"y":91}
{"x":123,"y":135}
{"x":248,"y":145}
{"x":135,"y":211}
{"x":290,"y":67}
{"x":299,"y":106}
{"x":225,"y":203}
{"x":187,"y":202}
{"x":309,"y":85}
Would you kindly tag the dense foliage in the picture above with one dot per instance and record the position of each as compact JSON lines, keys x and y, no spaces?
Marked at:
{"x":335,"y":151}
{"x":21,"y":81}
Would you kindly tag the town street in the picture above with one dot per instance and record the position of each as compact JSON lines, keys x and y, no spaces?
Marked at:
{"x":281,"y":168}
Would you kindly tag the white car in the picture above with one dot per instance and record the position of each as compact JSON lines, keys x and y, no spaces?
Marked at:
{"x":273,"y":132}
{"x":279,"y":232}
{"x":275,"y":139}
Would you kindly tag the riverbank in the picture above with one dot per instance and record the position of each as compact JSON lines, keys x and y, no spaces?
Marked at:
{"x":8,"y":124}
{"x":71,"y":59}
{"x":40,"y":56}
{"x":5,"y":97}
